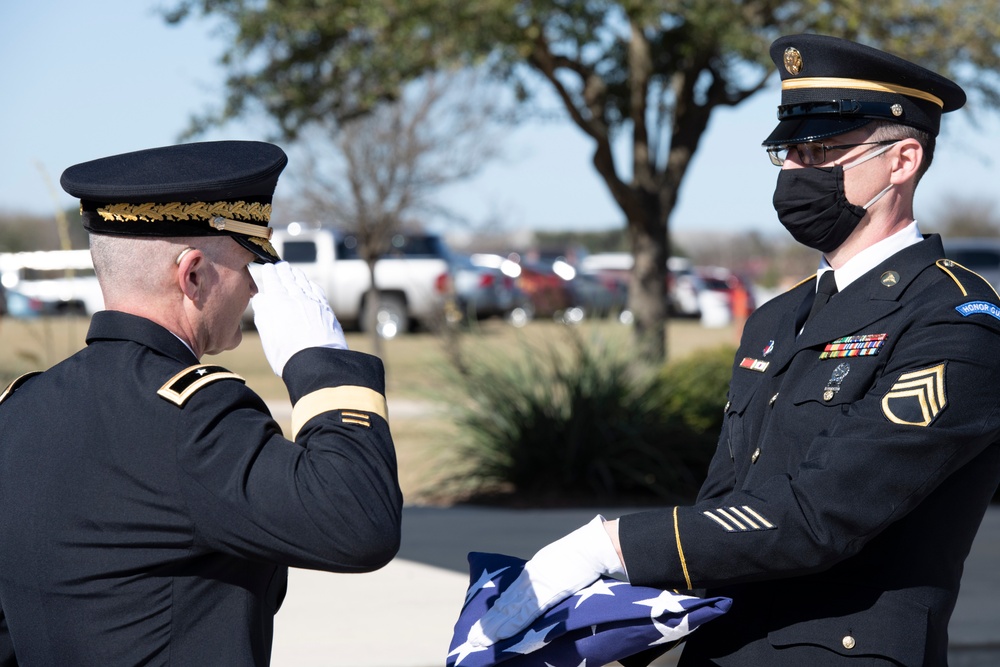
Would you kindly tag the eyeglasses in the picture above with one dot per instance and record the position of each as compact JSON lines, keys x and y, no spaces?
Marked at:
{"x":813,"y":153}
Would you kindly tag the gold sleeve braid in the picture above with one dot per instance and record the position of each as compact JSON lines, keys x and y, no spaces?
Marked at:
{"x":350,"y":398}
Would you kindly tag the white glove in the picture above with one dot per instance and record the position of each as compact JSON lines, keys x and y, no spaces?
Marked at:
{"x":291,"y":313}
{"x":552,"y":575}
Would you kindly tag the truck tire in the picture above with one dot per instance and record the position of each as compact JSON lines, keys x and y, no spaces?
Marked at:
{"x":392,"y":318}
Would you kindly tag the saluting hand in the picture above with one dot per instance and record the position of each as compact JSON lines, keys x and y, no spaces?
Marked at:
{"x":291,"y":313}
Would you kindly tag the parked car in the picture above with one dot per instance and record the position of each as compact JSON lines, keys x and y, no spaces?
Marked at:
{"x":62,"y":280}
{"x":684,"y":287}
{"x":729,"y":288}
{"x":548,"y":294}
{"x":406,"y":276}
{"x":981,"y":255}
{"x":599,"y":295}
{"x":482,"y":286}
{"x":24,"y":307}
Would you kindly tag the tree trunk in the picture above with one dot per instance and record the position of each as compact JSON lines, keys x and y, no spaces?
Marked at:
{"x":648,"y":282}
{"x":370,"y":311}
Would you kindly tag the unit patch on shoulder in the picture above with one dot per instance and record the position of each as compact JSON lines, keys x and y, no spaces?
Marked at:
{"x":739,"y":519}
{"x":18,"y":381}
{"x":979,"y":308}
{"x":182,"y":386}
{"x":917,"y":397}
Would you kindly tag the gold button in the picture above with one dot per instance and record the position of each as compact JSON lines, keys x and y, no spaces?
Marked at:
{"x":948,"y":263}
{"x":828,"y":395}
{"x":756,"y":455}
{"x":849,"y":642}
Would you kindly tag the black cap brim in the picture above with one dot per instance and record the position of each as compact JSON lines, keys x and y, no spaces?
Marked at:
{"x":801,"y":130}
{"x":263,"y":251}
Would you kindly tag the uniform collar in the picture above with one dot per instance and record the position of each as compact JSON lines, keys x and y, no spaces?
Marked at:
{"x":872,"y":256}
{"x":116,"y":325}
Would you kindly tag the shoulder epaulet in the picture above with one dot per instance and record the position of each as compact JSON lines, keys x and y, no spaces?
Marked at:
{"x":949,"y":266}
{"x":182,"y":386}
{"x":18,"y":381}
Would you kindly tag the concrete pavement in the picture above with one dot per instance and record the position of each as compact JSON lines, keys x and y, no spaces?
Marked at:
{"x":402,"y":615}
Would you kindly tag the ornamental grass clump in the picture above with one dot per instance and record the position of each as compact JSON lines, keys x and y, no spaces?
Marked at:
{"x":572,"y":422}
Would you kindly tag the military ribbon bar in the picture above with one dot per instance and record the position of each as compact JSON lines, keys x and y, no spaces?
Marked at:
{"x":865,"y":345}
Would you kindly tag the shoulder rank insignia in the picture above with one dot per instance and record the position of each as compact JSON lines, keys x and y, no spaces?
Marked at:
{"x":916,"y":398}
{"x":18,"y":381}
{"x":182,"y":386}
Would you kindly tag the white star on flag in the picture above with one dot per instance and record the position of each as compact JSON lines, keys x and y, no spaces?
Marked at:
{"x":667,"y":601}
{"x":466,"y":649}
{"x":532,"y":641}
{"x":599,"y":587}
{"x":485,"y":581}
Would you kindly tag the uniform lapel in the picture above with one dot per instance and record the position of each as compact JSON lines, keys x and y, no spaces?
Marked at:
{"x":871,"y":297}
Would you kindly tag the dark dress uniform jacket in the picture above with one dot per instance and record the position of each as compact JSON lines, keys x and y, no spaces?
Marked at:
{"x":852,"y":473}
{"x":137,"y":531}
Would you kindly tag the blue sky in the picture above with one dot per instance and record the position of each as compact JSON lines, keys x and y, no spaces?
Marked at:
{"x":83,"y":80}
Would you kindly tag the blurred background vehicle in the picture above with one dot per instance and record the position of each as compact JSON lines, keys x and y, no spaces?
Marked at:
{"x":725,"y":296}
{"x":24,"y":307}
{"x":981,"y":255}
{"x":63,"y":281}
{"x":482,"y":286}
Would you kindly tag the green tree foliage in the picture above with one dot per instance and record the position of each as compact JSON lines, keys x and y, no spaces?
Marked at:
{"x":648,"y":71}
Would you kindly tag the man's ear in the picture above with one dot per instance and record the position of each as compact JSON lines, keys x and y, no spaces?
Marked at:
{"x":910,"y":155}
{"x":190,"y":273}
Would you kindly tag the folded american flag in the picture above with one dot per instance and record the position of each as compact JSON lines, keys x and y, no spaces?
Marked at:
{"x":608,"y":621}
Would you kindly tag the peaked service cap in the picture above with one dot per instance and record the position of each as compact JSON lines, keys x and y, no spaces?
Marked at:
{"x":197,"y":189}
{"x":830,"y":86}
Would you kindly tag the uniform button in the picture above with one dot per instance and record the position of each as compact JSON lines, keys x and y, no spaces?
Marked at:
{"x":773,"y":399}
{"x":726,"y":409}
{"x":756,"y":455}
{"x":848,"y":642}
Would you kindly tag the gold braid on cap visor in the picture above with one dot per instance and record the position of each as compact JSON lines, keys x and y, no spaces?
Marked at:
{"x":216,"y":214}
{"x":858,"y":84}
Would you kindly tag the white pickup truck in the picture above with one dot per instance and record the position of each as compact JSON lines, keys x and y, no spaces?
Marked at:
{"x":408,"y":276}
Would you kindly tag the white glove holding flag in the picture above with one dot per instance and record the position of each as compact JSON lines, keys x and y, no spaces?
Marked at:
{"x":552,"y":575}
{"x":291,"y":313}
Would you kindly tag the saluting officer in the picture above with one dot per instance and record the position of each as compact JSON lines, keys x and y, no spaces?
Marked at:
{"x":861,"y":443}
{"x":150,"y":504}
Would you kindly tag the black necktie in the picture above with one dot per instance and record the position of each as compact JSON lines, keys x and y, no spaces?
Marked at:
{"x":827,"y":287}
{"x":813,"y":302}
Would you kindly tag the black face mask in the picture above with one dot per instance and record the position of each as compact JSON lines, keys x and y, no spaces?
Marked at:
{"x":812,"y":206}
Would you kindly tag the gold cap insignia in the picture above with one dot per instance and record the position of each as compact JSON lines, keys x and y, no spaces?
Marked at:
{"x":890,"y":278}
{"x":793,"y":60}
{"x":897,"y":110}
